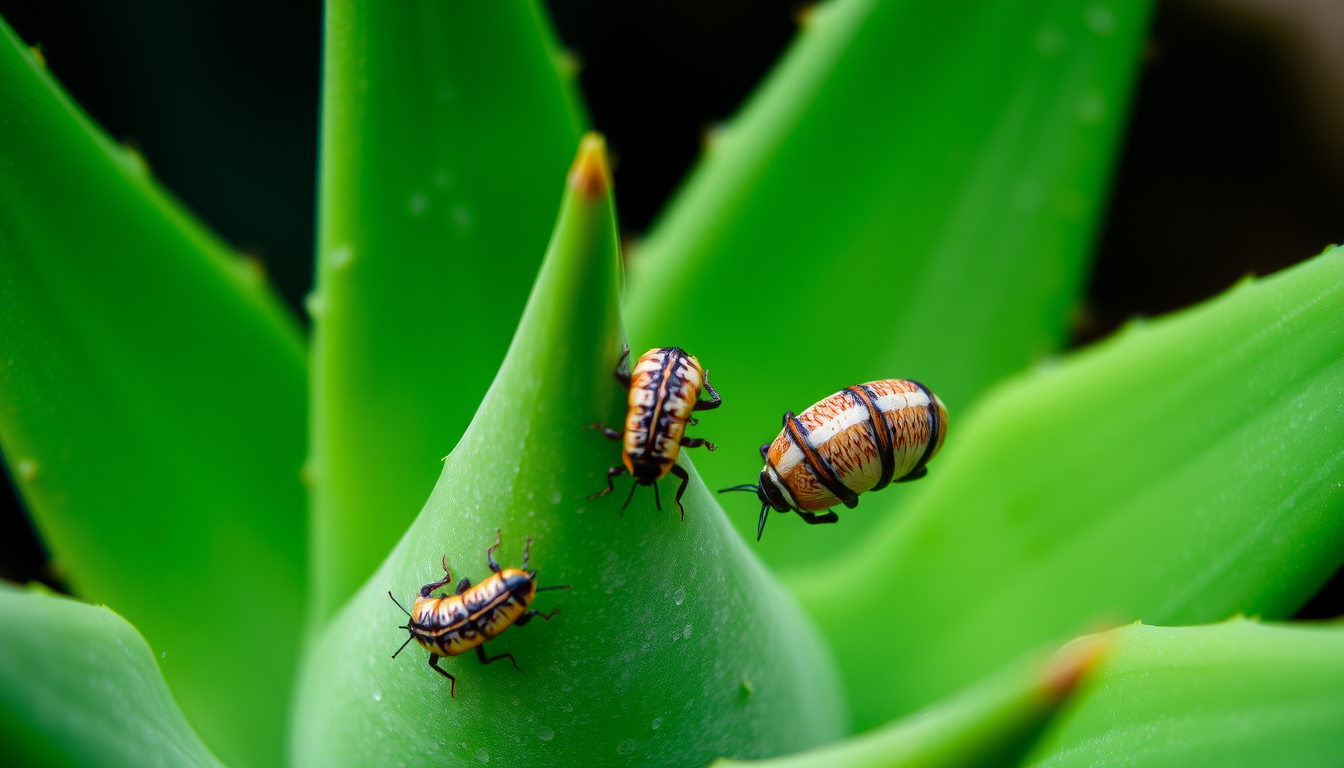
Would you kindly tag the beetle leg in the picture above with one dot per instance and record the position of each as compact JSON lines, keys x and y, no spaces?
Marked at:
{"x":785,"y":421}
{"x":914,"y":474}
{"x":452,"y":681}
{"x":490,"y":553}
{"x":463,"y":585}
{"x":608,"y":431}
{"x":711,"y":404}
{"x":657,"y":501}
{"x":533,"y":614}
{"x":696,"y":442}
{"x":622,"y":371}
{"x":433,"y":585}
{"x":681,"y":473}
{"x":765,"y":452}
{"x":814,"y":519}
{"x":631,"y":496}
{"x":612,"y":474}
{"x":480,"y":654}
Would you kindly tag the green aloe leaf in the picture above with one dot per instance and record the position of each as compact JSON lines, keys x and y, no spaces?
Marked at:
{"x":672,"y":642}
{"x":444,"y":128}
{"x":1235,"y":694}
{"x":153,"y":393}
{"x":1182,"y":472}
{"x":80,"y":687}
{"x":993,"y":723}
{"x":913,"y":193}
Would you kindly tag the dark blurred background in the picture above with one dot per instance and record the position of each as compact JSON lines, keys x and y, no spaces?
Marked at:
{"x":1233,"y":162}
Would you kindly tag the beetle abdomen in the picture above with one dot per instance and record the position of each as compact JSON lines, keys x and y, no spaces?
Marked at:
{"x":455,"y":624}
{"x":835,"y":450}
{"x":499,"y":600}
{"x":664,"y":387}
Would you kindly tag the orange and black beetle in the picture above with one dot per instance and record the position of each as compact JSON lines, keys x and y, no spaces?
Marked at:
{"x":859,"y":439}
{"x":456,"y":623}
{"x":664,"y":391}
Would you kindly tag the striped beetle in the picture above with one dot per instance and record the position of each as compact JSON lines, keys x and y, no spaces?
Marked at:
{"x":456,"y":623}
{"x":859,"y":439}
{"x":664,"y":390}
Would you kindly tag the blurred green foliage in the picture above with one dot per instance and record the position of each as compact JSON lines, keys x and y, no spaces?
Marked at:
{"x":153,"y":412}
{"x":1234,"y":694}
{"x":100,"y":701}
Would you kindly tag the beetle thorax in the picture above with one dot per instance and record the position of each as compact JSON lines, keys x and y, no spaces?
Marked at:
{"x":520,"y":584}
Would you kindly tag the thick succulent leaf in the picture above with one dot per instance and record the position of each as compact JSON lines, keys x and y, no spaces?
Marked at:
{"x":911,"y":194}
{"x":1180,"y":473}
{"x":444,"y":128}
{"x":672,"y":645}
{"x":79,"y":687}
{"x":1235,"y":694}
{"x":153,"y":412}
{"x":993,"y":723}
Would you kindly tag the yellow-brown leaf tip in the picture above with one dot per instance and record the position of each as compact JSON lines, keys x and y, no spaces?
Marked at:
{"x":590,"y":175}
{"x":803,"y":13}
{"x":1072,"y":663}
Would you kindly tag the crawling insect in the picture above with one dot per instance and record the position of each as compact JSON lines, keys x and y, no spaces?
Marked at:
{"x":456,"y":623}
{"x":664,"y":390}
{"x":859,"y":439}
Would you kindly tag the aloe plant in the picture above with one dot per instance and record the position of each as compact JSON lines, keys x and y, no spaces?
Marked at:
{"x":912,"y":192}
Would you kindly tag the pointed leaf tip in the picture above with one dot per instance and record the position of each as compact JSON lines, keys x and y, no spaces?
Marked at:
{"x":1071,"y":664}
{"x":590,"y":175}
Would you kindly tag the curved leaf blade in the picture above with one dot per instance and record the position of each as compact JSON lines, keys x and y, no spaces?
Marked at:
{"x":992,"y":723}
{"x":1236,"y":694}
{"x":1180,"y":473}
{"x":912,"y":194}
{"x":154,"y":399}
{"x":79,"y":687}
{"x":673,"y":643}
{"x":444,"y":126}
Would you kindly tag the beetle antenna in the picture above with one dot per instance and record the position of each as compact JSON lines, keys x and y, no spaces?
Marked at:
{"x":747,"y":487}
{"x":403,"y":645}
{"x":633,"y":486}
{"x":765,"y":515}
{"x":553,"y":586}
{"x":403,"y":610}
